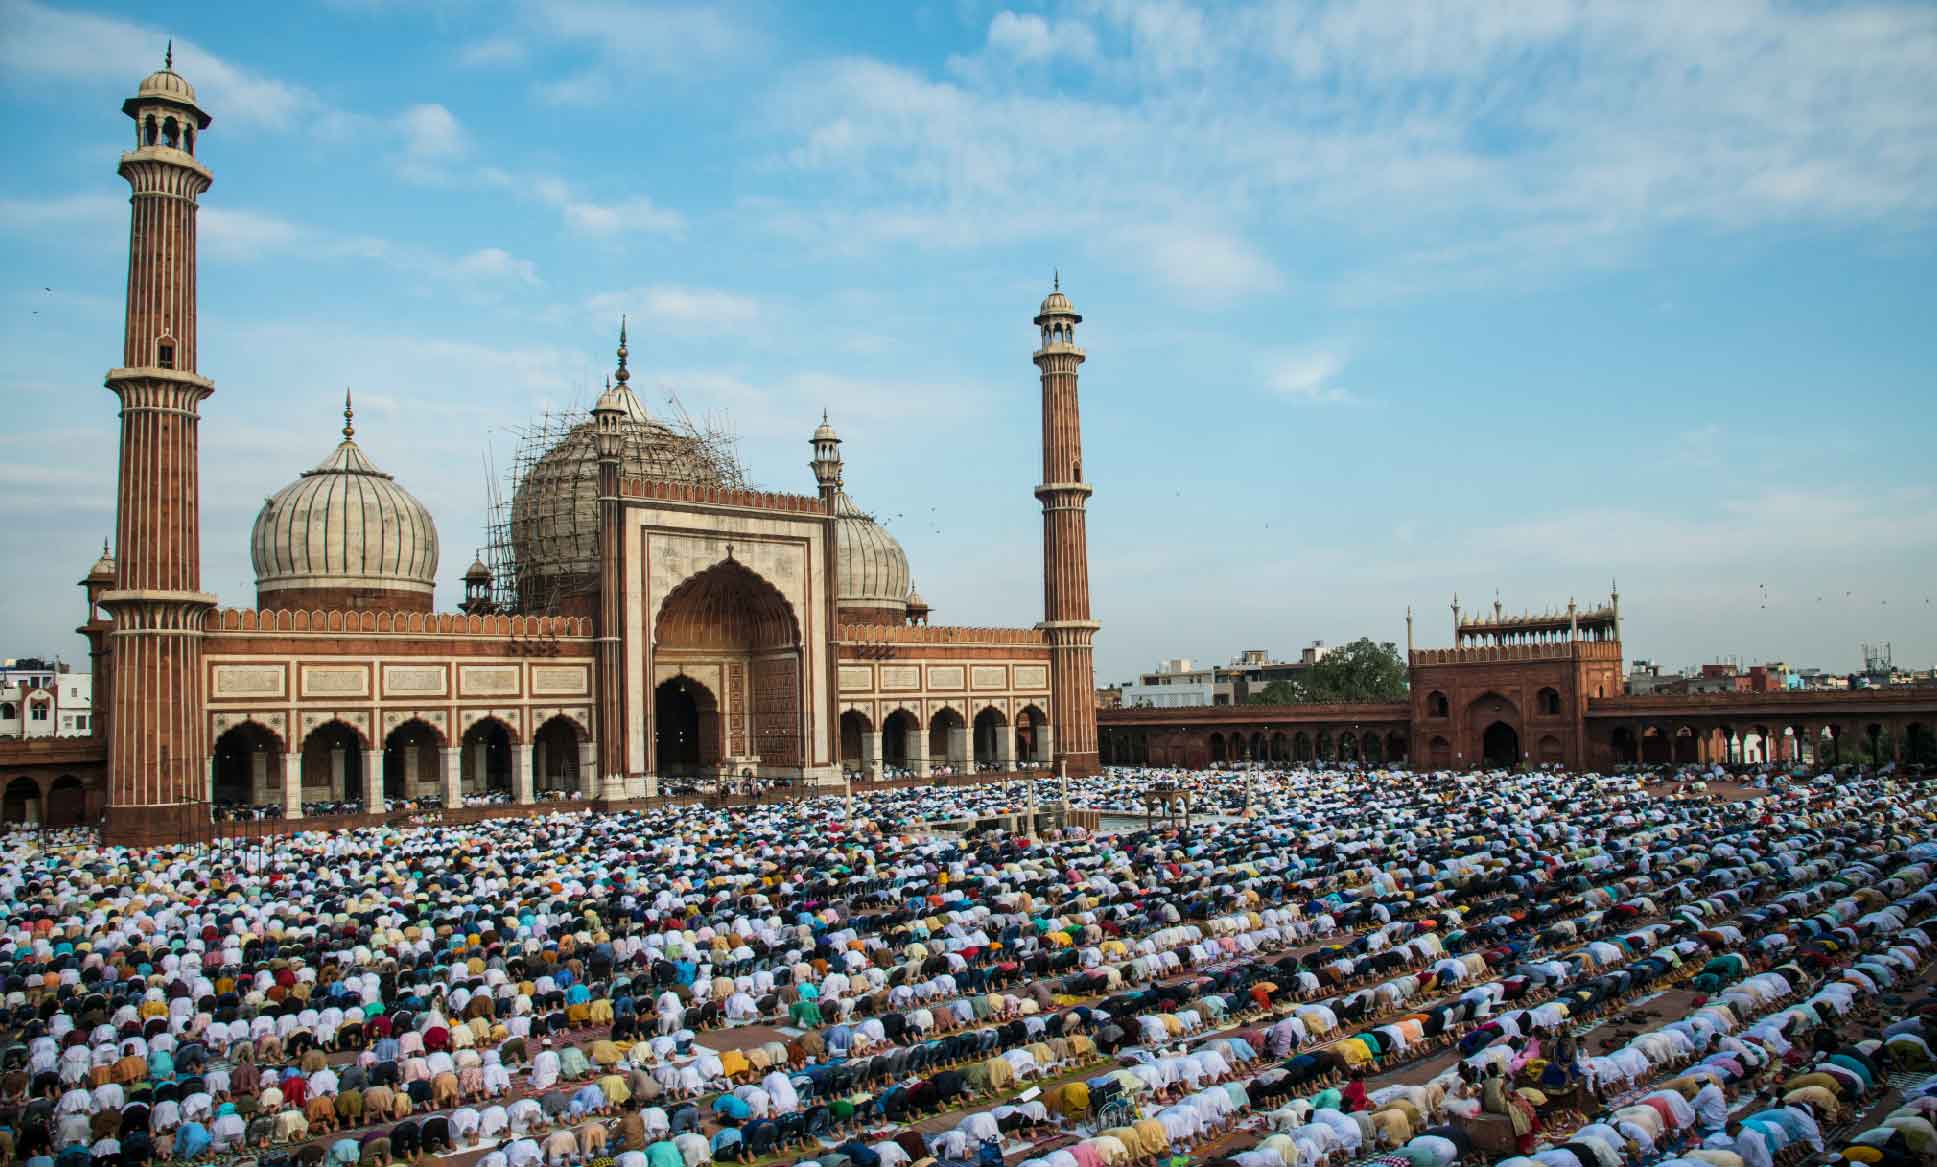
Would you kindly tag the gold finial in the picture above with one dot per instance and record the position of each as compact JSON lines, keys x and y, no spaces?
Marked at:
{"x":622,"y":374}
{"x":349,"y":427}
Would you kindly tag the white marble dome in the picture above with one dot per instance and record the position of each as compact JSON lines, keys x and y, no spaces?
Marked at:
{"x":345,"y":525}
{"x":873,"y":569}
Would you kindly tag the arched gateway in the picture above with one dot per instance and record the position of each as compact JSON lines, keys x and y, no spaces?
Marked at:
{"x":727,"y":649}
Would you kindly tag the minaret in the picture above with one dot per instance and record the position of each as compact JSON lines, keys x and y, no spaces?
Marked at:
{"x":98,"y":582}
{"x":827,"y":461}
{"x":158,"y":778}
{"x":608,"y":420}
{"x":826,"y":466}
{"x":1065,"y":541}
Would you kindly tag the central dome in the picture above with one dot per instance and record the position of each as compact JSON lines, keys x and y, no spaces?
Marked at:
{"x":344,"y":536}
{"x":555,"y":507}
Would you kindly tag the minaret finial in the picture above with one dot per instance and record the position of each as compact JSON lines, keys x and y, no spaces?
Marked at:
{"x":622,"y":374}
{"x":1059,"y":280}
{"x":349,"y":427}
{"x":823,"y":415}
{"x":168,"y":58}
{"x":104,"y":546}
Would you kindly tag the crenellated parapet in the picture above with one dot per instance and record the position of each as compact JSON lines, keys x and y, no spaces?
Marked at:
{"x":1578,"y":650}
{"x":443,"y":624}
{"x":702,"y":494}
{"x":944,"y":634}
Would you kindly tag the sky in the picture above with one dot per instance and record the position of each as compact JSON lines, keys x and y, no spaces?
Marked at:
{"x":1385,"y":300}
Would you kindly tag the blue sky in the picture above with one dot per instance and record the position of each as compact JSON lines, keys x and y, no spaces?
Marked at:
{"x":1385,"y":300}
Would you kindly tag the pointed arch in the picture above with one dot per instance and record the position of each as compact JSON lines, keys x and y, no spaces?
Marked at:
{"x":556,"y":756}
{"x":331,"y":768}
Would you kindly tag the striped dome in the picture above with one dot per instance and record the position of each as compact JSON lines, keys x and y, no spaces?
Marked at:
{"x":345,"y":524}
{"x":873,"y":567}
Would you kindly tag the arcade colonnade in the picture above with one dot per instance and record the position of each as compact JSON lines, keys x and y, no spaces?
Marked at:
{"x":1319,"y":740}
{"x":1858,"y":736}
{"x":945,"y":739}
{"x":336,"y":765}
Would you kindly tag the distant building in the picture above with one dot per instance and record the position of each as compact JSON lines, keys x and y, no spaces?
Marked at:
{"x":44,"y":699}
{"x":1179,"y":684}
{"x":1645,"y":677}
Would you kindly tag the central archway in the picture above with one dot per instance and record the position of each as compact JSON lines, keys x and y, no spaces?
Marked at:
{"x":686,"y":720}
{"x":1500,"y":745}
{"x":731,"y":626}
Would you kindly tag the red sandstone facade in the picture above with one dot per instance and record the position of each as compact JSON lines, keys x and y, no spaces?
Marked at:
{"x":1534,"y":690}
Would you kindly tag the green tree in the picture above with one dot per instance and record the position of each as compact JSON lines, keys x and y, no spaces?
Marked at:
{"x":1363,"y":670}
{"x":1277,"y":693}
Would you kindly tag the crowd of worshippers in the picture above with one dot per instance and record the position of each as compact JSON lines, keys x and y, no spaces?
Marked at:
{"x":563,"y":989}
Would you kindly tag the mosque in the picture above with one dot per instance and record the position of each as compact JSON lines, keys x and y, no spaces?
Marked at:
{"x":648,"y":615}
{"x":661,"y":617}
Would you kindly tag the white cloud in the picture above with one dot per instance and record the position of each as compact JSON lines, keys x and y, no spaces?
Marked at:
{"x":493,"y":51}
{"x":55,"y":44}
{"x":1029,"y":39}
{"x":1309,"y":376}
{"x":241,"y":235}
{"x":90,"y":211}
{"x":432,"y":138}
{"x":692,"y":309}
{"x":1455,"y":144}
{"x":615,"y":43}
{"x":627,"y":215}
{"x":1205,"y":264}
{"x":238,"y":235}
{"x":496,"y":263}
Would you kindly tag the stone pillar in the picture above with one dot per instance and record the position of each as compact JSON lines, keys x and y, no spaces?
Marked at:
{"x":372,"y":781}
{"x":539,"y":774}
{"x":452,"y":759}
{"x":1045,"y":742}
{"x":480,"y":767}
{"x":871,"y":754}
{"x":521,"y":773}
{"x":292,"y":784}
{"x":260,"y":790}
{"x":411,"y":765}
{"x":958,"y":747}
{"x":1005,"y":747}
{"x":589,"y":784}
{"x":918,"y":755}
{"x":339,"y":763}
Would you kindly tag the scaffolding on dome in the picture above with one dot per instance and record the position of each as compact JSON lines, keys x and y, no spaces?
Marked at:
{"x":542,"y":542}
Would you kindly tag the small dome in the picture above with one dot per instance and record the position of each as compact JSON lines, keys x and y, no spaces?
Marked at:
{"x":873,"y":569}
{"x":167,"y":85}
{"x":825,"y":432}
{"x":345,"y":526}
{"x":477,"y":572}
{"x":1056,"y":305}
{"x":103,"y":567}
{"x":170,"y":88}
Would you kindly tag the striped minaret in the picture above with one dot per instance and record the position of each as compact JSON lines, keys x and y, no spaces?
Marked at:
{"x":609,"y":422}
{"x":1065,"y":541}
{"x":158,"y":779}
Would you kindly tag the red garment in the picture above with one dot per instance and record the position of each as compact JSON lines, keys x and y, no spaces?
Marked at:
{"x":1353,"y":1097}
